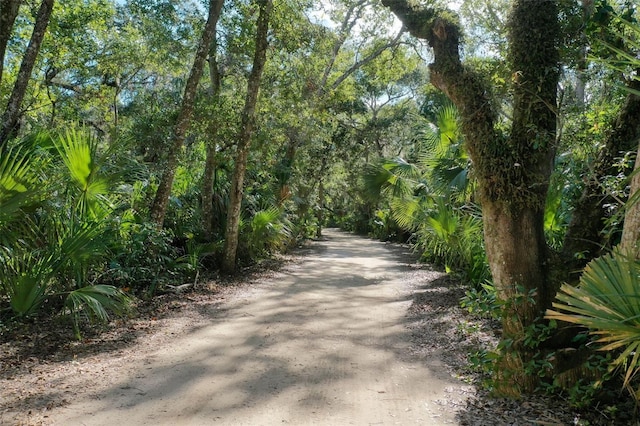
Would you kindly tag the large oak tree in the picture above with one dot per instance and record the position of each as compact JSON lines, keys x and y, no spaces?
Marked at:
{"x":512,"y":166}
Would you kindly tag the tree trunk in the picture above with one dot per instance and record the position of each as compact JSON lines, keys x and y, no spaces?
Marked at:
{"x":631,"y":232}
{"x":210,"y":162}
{"x":244,"y":138}
{"x":12,"y":114}
{"x":320,"y":214}
{"x":8,"y":13}
{"x":513,"y":171}
{"x":584,"y":234}
{"x":159,"y":207}
{"x":207,"y":189}
{"x":284,"y":169}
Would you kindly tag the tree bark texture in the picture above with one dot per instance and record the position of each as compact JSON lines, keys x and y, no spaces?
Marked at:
{"x":631,"y":231}
{"x":584,"y":235}
{"x":8,"y":13}
{"x":244,"y":138}
{"x":161,"y":200}
{"x":512,"y":169}
{"x":11,"y":116}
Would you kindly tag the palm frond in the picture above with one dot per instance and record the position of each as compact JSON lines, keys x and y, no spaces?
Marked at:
{"x":79,"y":153}
{"x":374,"y":178}
{"x":449,"y":176}
{"x":269,"y":230}
{"x":408,"y":213}
{"x":437,"y":138}
{"x":95,"y":303}
{"x":395,"y":177}
{"x":607,"y":302}
{"x":443,"y":222}
{"x":25,"y":279}
{"x":448,"y":126}
{"x":18,"y":184}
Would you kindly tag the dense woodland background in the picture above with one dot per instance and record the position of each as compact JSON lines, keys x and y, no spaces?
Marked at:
{"x":146,"y":142}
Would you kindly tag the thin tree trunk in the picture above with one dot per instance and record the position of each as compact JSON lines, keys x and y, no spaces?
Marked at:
{"x":159,"y":207}
{"x":320,"y":213}
{"x":8,"y":13}
{"x":207,"y":189}
{"x":12,"y":114}
{"x":244,"y":139}
{"x":631,"y":231}
{"x":285,"y":168}
{"x":210,"y":162}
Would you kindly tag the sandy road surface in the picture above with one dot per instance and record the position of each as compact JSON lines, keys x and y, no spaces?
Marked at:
{"x":323,"y":344}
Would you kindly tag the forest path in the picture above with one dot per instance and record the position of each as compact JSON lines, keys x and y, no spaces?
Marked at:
{"x":325,"y":343}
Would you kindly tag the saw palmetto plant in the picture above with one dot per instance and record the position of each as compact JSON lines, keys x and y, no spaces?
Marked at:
{"x":607,"y":302}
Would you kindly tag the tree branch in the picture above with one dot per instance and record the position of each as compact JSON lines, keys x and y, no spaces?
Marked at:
{"x":345,"y":29}
{"x":367,"y":59}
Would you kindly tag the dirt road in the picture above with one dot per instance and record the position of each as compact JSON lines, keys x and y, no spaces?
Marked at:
{"x":322,"y":344}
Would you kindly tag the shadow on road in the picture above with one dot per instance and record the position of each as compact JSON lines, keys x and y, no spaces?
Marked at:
{"x":326,"y":341}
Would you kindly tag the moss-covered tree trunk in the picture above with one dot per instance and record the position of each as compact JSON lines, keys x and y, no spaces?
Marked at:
{"x":244,"y":138}
{"x":513,"y":168}
{"x":161,"y":200}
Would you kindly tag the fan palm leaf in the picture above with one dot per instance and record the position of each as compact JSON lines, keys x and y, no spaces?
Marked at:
{"x":269,"y":230}
{"x":607,"y":302}
{"x":18,"y":185}
{"x":76,"y":246}
{"x":25,"y":279}
{"x":95,"y":303}
{"x":79,"y":153}
{"x":437,"y":138}
{"x":443,"y":222}
{"x":395,"y":177}
{"x":442,"y":155}
{"x":408,"y":213}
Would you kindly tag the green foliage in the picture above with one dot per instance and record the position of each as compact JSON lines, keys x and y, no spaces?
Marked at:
{"x":18,"y":185}
{"x":429,"y":198}
{"x":607,"y":302}
{"x":582,"y":393}
{"x":145,"y":260}
{"x":269,"y":231}
{"x":556,"y":213}
{"x":78,"y":150}
{"x":454,"y":239}
{"x":25,"y":280}
{"x":64,"y":239}
{"x":542,"y":363}
{"x":614,"y":30}
{"x":483,"y":302}
{"x":94,"y":304}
